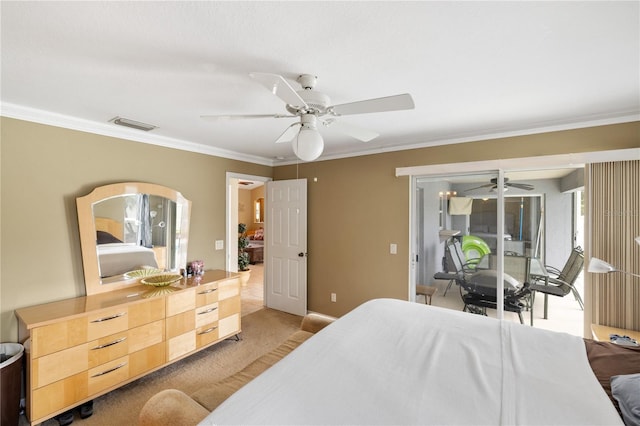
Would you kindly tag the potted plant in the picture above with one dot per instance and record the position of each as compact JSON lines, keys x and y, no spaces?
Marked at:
{"x":243,"y":257}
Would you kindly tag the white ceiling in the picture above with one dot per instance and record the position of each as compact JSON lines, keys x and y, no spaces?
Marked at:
{"x":474,"y":69}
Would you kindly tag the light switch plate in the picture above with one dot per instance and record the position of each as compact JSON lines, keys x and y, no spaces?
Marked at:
{"x":393,"y":248}
{"x":219,"y":244}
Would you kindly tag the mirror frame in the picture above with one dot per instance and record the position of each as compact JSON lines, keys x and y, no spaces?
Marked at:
{"x":258,"y":208}
{"x":87,"y":227}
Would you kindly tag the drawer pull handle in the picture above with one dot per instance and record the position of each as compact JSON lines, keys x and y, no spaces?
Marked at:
{"x":207,"y":311}
{"x":211,"y":290}
{"x":121,"y":314}
{"x":110,"y":370}
{"x":106,"y":345}
{"x":208,"y":330}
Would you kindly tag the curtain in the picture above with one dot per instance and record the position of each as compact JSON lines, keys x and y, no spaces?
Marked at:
{"x":145,"y":221}
{"x":613,"y":196}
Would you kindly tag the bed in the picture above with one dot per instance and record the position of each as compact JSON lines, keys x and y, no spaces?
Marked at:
{"x":116,"y":257}
{"x":395,"y":362}
{"x":119,"y":258}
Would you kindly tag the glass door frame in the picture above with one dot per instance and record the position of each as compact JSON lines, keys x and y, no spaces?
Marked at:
{"x":414,"y":226}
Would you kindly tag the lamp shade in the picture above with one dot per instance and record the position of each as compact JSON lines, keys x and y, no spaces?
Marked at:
{"x":598,"y":266}
{"x":308,"y":145}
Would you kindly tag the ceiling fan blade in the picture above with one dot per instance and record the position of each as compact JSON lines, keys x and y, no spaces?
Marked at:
{"x":360,"y":133}
{"x":288,"y":134}
{"x":277,"y":85}
{"x":524,"y":186}
{"x":480,"y":187}
{"x":229,"y":117}
{"x":389,"y":103}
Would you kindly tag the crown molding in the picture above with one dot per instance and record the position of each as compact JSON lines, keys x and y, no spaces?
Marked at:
{"x":547,"y":127}
{"x":108,"y":129}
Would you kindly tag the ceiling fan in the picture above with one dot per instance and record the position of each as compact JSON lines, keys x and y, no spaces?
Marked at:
{"x":494,"y":185}
{"x":313,"y":107}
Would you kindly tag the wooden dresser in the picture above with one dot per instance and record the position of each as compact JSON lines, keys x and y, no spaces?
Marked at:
{"x":87,"y":346}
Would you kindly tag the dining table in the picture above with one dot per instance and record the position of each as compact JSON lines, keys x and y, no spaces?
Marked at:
{"x":534,"y":269}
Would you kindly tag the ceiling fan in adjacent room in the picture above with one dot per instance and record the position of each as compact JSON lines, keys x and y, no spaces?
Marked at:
{"x":313,"y":108}
{"x":494,"y":185}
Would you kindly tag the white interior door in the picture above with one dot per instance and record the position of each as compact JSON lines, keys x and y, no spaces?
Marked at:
{"x":286,"y":246}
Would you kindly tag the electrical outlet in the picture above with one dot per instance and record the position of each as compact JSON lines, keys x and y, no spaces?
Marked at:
{"x":333,"y":297}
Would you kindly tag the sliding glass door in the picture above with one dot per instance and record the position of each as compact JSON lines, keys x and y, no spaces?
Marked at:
{"x":535,"y":215}
{"x":442,"y":241}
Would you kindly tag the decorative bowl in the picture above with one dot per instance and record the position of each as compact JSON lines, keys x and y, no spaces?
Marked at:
{"x":161,"y":280}
{"x":141,"y":273}
{"x":158,"y":291}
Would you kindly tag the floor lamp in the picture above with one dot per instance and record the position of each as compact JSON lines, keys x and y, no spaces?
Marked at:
{"x":599,"y":266}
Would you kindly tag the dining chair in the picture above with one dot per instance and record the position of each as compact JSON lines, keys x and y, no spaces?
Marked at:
{"x":560,"y":282}
{"x":456,"y":264}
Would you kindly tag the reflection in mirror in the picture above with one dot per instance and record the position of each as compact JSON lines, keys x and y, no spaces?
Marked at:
{"x":132,"y":234}
{"x":259,"y":210}
{"x":128,"y":229}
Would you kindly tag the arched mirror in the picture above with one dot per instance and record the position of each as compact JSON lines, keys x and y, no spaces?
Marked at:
{"x":126,"y":227}
{"x":259,"y":210}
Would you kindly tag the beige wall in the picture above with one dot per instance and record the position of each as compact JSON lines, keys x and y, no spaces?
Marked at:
{"x":245,"y":207}
{"x":44,"y":169}
{"x":358,"y":207}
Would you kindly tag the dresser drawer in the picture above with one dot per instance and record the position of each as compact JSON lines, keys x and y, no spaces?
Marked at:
{"x":206,"y":335}
{"x":59,"y":365}
{"x":146,"y":312}
{"x":228,"y":288}
{"x":206,"y":294}
{"x":58,"y":395}
{"x":181,"y":345}
{"x":180,"y":324}
{"x":107,"y":321}
{"x":146,"y":359}
{"x":56,"y":337}
{"x":229,"y":326}
{"x":108,"y":375}
{"x":181,"y":302}
{"x":207,"y":315}
{"x":145,"y":336}
{"x":108,"y":348}
{"x":229,"y":306}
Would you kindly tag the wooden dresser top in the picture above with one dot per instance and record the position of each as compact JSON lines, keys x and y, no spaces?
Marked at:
{"x":39,"y":315}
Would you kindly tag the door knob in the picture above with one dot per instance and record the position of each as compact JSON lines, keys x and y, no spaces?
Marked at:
{"x":301,"y":254}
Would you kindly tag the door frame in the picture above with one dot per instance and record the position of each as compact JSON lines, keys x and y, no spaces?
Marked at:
{"x":231,"y":219}
{"x":413,"y":227}
{"x":574,"y":160}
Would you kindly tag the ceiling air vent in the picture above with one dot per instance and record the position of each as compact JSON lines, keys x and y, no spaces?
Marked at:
{"x":133,"y":124}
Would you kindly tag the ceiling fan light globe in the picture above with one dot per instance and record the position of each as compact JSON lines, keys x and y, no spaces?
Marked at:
{"x":495,"y":189}
{"x":308,"y":145}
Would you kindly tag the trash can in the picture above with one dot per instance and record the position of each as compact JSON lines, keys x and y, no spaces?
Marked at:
{"x":10,"y":382}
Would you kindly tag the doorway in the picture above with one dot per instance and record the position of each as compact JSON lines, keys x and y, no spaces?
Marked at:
{"x":245,"y":205}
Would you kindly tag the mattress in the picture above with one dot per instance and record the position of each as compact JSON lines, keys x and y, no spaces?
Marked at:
{"x":118,"y":258}
{"x":395,"y":362}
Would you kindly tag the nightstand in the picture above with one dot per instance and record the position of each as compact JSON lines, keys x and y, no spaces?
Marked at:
{"x":602,"y":332}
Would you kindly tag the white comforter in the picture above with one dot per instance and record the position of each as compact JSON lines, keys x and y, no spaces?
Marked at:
{"x":118,"y":258}
{"x":394,"y":362}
